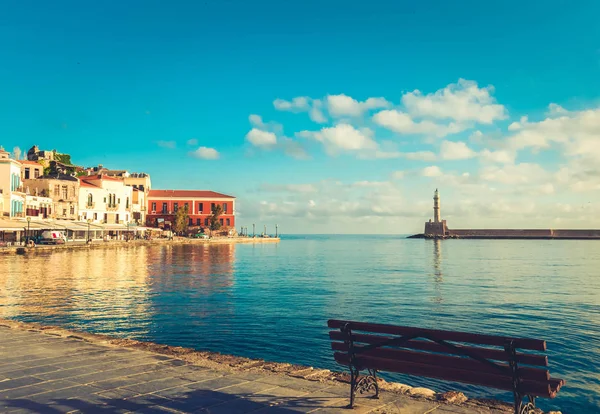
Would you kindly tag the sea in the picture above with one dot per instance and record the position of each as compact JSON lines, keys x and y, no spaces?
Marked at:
{"x":273,"y":300}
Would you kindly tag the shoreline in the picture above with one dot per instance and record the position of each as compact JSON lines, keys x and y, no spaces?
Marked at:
{"x":237,"y":364}
{"x":100,"y":244}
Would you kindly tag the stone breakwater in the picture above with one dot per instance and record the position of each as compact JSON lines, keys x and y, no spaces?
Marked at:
{"x":99,"y":244}
{"x":235,"y":364}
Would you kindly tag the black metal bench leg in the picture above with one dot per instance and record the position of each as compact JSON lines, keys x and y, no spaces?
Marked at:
{"x":528,"y":407}
{"x":353,"y":384}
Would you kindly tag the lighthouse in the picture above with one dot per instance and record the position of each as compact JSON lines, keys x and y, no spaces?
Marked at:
{"x":436,"y":229}
{"x":436,"y":207}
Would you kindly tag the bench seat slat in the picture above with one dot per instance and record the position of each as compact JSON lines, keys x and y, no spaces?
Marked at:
{"x":546,"y":389}
{"x":522,"y":343}
{"x":444,"y":361}
{"x":424,"y":345}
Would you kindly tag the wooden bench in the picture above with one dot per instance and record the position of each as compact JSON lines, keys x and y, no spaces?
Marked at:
{"x":504,"y":363}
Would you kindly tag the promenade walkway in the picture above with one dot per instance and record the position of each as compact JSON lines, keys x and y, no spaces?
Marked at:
{"x":41,"y":373}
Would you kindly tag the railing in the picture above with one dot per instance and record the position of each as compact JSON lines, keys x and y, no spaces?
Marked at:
{"x":91,"y":205}
{"x":112,"y":207}
{"x":19,"y":214}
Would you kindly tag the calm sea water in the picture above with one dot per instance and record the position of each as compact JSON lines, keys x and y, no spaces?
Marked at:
{"x":272,"y":301}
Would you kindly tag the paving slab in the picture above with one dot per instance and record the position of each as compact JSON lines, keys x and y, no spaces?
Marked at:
{"x":53,"y":374}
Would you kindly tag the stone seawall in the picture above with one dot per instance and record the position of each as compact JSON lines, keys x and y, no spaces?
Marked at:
{"x":532,"y":234}
{"x":99,"y":244}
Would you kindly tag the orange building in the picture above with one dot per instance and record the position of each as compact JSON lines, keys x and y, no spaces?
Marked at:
{"x":163,"y":205}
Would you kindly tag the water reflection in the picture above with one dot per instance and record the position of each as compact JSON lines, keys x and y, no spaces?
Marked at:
{"x":437,"y":271}
{"x":111,"y":289}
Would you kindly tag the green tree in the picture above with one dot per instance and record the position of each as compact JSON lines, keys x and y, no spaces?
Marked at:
{"x":215,"y":224}
{"x":181,"y":220}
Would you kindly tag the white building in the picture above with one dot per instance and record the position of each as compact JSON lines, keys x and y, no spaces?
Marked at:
{"x":104,"y":199}
{"x":12,"y":195}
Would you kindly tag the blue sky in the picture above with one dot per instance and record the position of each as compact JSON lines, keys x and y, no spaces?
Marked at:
{"x":201,"y":95}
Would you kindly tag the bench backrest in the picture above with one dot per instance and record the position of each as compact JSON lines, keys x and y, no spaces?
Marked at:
{"x":454,"y":356}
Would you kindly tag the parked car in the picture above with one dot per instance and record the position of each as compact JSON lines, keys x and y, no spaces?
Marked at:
{"x":52,"y":237}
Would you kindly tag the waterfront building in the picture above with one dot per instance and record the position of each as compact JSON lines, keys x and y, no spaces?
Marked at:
{"x":163,"y":205}
{"x":12,"y":194}
{"x":37,"y":207}
{"x":63,"y":189}
{"x":31,"y":169}
{"x":141,"y":184}
{"x":105,"y":199}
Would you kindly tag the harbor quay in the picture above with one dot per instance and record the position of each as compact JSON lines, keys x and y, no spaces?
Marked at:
{"x":52,"y":370}
{"x":133,"y":243}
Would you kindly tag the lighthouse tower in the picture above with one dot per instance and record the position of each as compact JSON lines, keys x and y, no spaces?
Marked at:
{"x":436,"y":229}
{"x":436,"y":207}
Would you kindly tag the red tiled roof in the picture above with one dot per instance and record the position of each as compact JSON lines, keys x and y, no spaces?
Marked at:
{"x":86,"y":184}
{"x":30,"y":162}
{"x":186,"y":193}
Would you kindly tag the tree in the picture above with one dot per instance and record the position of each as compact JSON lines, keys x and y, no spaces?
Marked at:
{"x":181,"y":220}
{"x":215,"y":224}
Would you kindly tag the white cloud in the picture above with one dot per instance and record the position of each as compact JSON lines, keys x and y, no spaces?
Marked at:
{"x":260,"y":138}
{"x":291,"y":188}
{"x":205,"y":153}
{"x":450,"y":150}
{"x":577,"y":132}
{"x":402,"y":123}
{"x":420,"y":156}
{"x":556,"y":110}
{"x":303,"y":104}
{"x":192,"y":142}
{"x":342,"y":137}
{"x":499,"y":156}
{"x":432,"y":171}
{"x":315,"y":113}
{"x":256,"y":121}
{"x":344,"y":105}
{"x":167,"y":144}
{"x":298,"y":104}
{"x":398,"y":175}
{"x":524,"y":173}
{"x":463,"y":101}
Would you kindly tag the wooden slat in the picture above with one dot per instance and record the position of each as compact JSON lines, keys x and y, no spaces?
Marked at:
{"x":522,"y":343}
{"x":436,"y":360}
{"x":537,"y":388}
{"x":424,"y":345}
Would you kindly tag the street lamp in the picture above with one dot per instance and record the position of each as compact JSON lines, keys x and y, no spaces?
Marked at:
{"x":89,"y":221}
{"x":28,"y":222}
{"x":253,"y":231}
{"x":276,"y":228}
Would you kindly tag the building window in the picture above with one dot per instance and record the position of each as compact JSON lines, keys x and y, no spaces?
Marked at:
{"x":119,"y":201}
{"x":228,"y":222}
{"x":212,"y":207}
{"x":57,"y":190}
{"x":95,"y":216}
{"x":36,"y":173}
{"x":186,"y":208}
{"x":191,"y":222}
{"x":117,"y":218}
{"x":90,"y":199}
{"x":105,"y":199}
{"x":127,"y":202}
{"x":164,"y":209}
{"x":225,"y":208}
{"x":64,"y":212}
{"x":198,"y":222}
{"x":175,"y":207}
{"x":26,"y":173}
{"x":153,"y":206}
{"x":200,"y":207}
{"x":206,"y":222}
{"x":106,"y":217}
{"x":72,"y":210}
{"x":221,"y":221}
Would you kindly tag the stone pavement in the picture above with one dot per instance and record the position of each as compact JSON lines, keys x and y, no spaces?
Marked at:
{"x":41,"y":373}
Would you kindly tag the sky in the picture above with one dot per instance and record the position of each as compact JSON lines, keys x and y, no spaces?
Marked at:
{"x":322,"y":116}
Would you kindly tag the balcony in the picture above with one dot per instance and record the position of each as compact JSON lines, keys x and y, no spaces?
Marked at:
{"x":112,"y":207}
{"x":19,"y":214}
{"x":91,"y":206}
